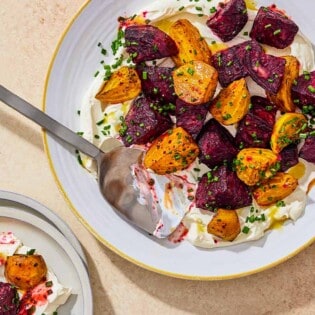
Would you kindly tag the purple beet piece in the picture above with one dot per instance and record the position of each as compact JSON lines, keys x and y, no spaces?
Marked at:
{"x":266,"y":70}
{"x":147,"y":42}
{"x":253,"y":132}
{"x":229,"y":19}
{"x":221,"y":188}
{"x":289,"y":157}
{"x":303,"y":92}
{"x":9,"y":299}
{"x":190,"y":117}
{"x":143,"y":123}
{"x":230,"y":62}
{"x":273,"y":28}
{"x":216,"y":144}
{"x":157,"y":83}
{"x":262,"y":108}
{"x":307,"y":151}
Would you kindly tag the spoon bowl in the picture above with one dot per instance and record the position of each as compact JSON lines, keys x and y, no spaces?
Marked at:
{"x":113,"y":167}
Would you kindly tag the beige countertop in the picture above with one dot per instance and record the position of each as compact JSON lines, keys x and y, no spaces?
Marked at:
{"x":29,"y":32}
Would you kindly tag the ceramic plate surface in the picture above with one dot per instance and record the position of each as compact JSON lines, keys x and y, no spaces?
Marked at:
{"x":59,"y":254}
{"x":26,"y":204}
{"x":71,"y":73}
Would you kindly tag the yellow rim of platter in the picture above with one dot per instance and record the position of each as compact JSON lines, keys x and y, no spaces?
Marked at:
{"x":101,"y":239}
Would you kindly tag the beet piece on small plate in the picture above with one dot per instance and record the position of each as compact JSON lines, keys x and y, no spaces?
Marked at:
{"x":221,"y":188}
{"x":266,"y":70}
{"x":303,"y":92}
{"x":9,"y":299}
{"x":273,"y":28}
{"x":143,"y":123}
{"x":289,"y":157}
{"x":229,"y":19}
{"x":216,"y":144}
{"x":147,"y":42}
{"x":157,"y":83}
{"x":230,"y":62}
{"x":307,"y":151}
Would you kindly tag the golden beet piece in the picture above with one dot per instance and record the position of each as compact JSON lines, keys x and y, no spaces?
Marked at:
{"x":274,"y":189}
{"x":232,"y":103}
{"x":123,"y":85}
{"x":225,"y":224}
{"x":191,"y":45}
{"x":173,"y":151}
{"x":25,"y":271}
{"x":283,"y":97}
{"x":195,"y":82}
{"x":286,"y":130}
{"x":254,"y":165}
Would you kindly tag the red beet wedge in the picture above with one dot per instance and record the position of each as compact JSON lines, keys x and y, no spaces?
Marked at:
{"x":273,"y":28}
{"x":147,"y":42}
{"x":229,"y":19}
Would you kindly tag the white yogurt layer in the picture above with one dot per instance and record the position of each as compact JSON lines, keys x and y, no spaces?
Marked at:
{"x":173,"y":203}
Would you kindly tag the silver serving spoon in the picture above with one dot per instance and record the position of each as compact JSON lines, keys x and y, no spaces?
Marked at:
{"x":114,"y":170}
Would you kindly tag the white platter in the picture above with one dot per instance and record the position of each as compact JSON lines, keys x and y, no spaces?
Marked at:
{"x":58,"y":252}
{"x":71,"y":73}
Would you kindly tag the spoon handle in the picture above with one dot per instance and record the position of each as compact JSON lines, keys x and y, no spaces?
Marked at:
{"x":48,"y":123}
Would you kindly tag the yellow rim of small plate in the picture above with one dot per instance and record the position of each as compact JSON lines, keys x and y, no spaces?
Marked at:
{"x":105,"y":242}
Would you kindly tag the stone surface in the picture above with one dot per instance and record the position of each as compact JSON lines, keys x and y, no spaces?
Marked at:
{"x":29,"y":32}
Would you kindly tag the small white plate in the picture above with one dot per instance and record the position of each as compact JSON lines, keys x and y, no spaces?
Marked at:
{"x":71,"y":73}
{"x":22,"y":203}
{"x":59,"y":254}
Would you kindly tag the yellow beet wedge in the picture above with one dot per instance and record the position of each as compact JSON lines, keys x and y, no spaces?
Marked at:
{"x":283,"y":97}
{"x":286,"y":130}
{"x":225,"y":224}
{"x":191,"y":45}
{"x":254,"y":165}
{"x":232,"y":103}
{"x":173,"y":151}
{"x":195,"y":82}
{"x":275,"y":189}
{"x":123,"y":85}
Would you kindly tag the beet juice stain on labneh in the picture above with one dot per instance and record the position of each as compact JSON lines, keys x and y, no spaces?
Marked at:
{"x":224,"y":107}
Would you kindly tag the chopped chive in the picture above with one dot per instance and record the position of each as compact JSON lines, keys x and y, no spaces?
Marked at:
{"x":276,"y":32}
{"x":311,"y":88}
{"x":245,"y":229}
{"x":100,"y":122}
{"x":31,"y":251}
{"x":181,"y":8}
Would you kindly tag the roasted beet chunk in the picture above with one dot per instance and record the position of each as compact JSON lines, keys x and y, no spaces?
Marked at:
{"x":216,"y":144}
{"x":229,"y":19}
{"x":288,"y":157}
{"x":262,"y":108}
{"x":147,"y":42}
{"x":189,"y":117}
{"x":307,"y":151}
{"x":266,"y":70}
{"x":157,"y":83}
{"x":9,"y":299}
{"x":253,"y":132}
{"x":255,"y":129}
{"x":273,"y":28}
{"x":230,"y":62}
{"x":143,"y":123}
{"x":303,"y":92}
{"x":221,"y":188}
